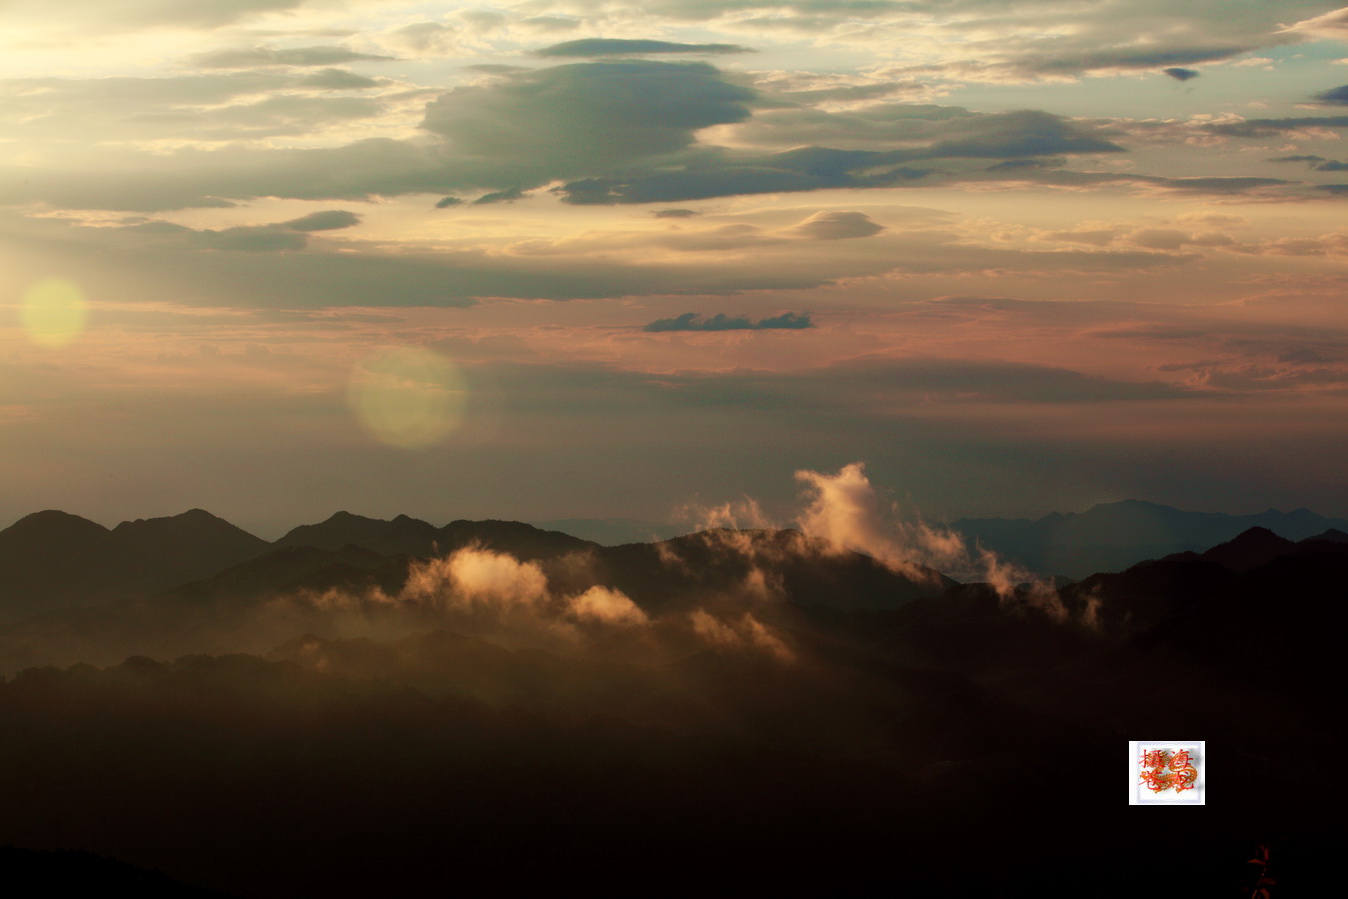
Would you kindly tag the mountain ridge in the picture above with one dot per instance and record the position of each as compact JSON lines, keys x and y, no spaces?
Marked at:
{"x":1113,"y":536}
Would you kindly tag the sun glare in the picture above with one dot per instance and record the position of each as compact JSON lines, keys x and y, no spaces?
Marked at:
{"x":407,"y":396}
{"x":54,"y":312}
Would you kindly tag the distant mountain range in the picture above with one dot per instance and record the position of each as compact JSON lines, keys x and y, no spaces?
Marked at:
{"x":50,"y":560}
{"x":1113,"y":536}
{"x":72,"y":590}
{"x":1106,"y":537}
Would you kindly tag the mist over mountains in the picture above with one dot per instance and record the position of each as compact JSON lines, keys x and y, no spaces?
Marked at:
{"x":1106,"y":537}
{"x":368,"y":706}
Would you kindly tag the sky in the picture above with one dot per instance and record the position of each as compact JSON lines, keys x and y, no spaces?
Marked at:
{"x":583,"y":259}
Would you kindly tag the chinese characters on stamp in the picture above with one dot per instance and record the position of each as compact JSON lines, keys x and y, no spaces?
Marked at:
{"x":1165,"y":770}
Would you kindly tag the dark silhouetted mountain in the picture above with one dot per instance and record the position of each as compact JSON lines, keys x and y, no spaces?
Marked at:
{"x":291,"y":569}
{"x":1250,"y":549}
{"x":168,"y":551}
{"x":49,"y":559}
{"x":612,"y":531}
{"x":51,"y":528}
{"x":52,"y":559}
{"x":1112,"y":536}
{"x":1259,"y":546}
{"x":403,"y":535}
{"x":523,"y":541}
{"x":413,"y":537}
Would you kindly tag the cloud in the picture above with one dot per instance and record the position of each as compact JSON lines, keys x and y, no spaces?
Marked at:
{"x":265,"y":239}
{"x":675,"y":213}
{"x":1151,"y":332}
{"x":189,"y":269}
{"x":1093,"y":59}
{"x":924,"y":131}
{"x":1027,"y":165}
{"x":999,"y":41}
{"x":608,"y":606}
{"x":1299,"y":158}
{"x":596,"y":46}
{"x":1289,"y":376}
{"x":1026,"y":132}
{"x":607,"y":132}
{"x":277,"y":237}
{"x":446,"y":202}
{"x":425,"y":37}
{"x":477,"y":576}
{"x":498,"y":593}
{"x":130,"y":15}
{"x":1330,"y":25}
{"x":551,"y":23}
{"x":1174,"y":239}
{"x":335,"y":80}
{"x":746,"y":632}
{"x":734,"y":514}
{"x":844,"y":512}
{"x":583,"y":118}
{"x":1181,"y":74}
{"x":691,"y":321}
{"x":223,"y":107}
{"x":327,"y":220}
{"x":1274,"y":127}
{"x":1334,"y":97}
{"x":926,"y":137}
{"x":519,"y":131}
{"x":836,"y":226}
{"x":254,"y":57}
{"x":509,"y":195}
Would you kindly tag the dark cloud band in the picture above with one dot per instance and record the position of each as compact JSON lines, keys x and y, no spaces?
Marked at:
{"x":691,"y":321}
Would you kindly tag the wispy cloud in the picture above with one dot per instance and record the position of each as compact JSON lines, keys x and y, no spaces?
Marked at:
{"x":596,"y":46}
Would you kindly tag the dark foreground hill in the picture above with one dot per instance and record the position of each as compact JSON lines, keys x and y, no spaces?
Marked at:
{"x":64,"y":872}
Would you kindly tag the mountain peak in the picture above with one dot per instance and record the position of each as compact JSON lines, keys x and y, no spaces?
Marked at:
{"x":1255,"y":533}
{"x":1126,"y":504}
{"x":54,"y":522}
{"x":194,"y":523}
{"x":402,"y":535}
{"x":1249,"y":549}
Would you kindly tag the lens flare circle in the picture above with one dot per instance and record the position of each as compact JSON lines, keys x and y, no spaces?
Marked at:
{"x":408,"y":397}
{"x":54,"y":312}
